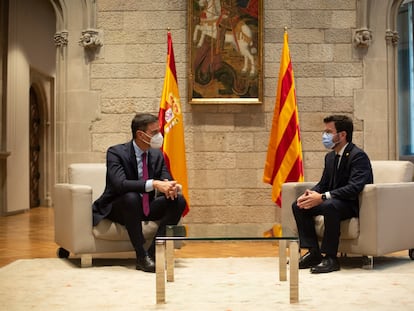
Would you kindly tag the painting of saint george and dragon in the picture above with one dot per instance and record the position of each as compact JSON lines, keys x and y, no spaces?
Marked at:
{"x":225,"y":47}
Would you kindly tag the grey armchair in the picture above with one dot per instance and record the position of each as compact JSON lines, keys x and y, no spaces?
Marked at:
{"x":385,"y":223}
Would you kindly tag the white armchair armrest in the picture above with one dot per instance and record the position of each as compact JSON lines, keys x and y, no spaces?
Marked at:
{"x":73,"y":217}
{"x":386,"y":218}
{"x":290,"y":192}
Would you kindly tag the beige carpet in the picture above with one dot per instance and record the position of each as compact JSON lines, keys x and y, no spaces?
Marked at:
{"x":204,"y":284}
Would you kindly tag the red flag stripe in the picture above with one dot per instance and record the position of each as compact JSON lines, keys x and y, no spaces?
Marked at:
{"x":287,"y":83}
{"x":161,"y":118}
{"x":285,"y":143}
{"x":294,"y":175}
{"x":171,"y":58}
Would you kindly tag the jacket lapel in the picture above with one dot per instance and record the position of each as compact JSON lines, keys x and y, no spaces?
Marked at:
{"x":345,"y":157}
{"x":332,"y":169}
{"x":132,"y":159}
{"x":343,"y":164}
{"x":150,"y":164}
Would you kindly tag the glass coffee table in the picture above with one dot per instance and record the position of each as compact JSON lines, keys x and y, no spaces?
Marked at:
{"x":164,"y":267}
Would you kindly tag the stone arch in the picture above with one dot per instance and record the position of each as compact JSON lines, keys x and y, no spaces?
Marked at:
{"x":392,"y":11}
{"x":65,"y":86}
{"x":392,"y":38}
{"x":376,"y":103}
{"x":60,"y":11}
{"x":76,"y":104}
{"x":43,"y":86}
{"x":29,"y":47}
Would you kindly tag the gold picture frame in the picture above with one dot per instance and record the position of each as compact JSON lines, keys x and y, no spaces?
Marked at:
{"x":225,"y":44}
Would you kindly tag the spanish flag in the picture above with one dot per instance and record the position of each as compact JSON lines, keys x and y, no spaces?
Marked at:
{"x":284,"y":161}
{"x":171,"y":123}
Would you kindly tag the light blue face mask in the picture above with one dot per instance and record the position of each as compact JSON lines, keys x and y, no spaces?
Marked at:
{"x":327,"y":140}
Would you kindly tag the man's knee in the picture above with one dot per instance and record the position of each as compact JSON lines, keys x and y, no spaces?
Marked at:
{"x":331,"y":215}
{"x":181,"y":203}
{"x":131,"y":199}
{"x":295,"y":207}
{"x":176,"y":206}
{"x":328,"y":209}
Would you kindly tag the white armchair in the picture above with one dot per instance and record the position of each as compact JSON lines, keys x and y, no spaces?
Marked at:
{"x":74,"y":232}
{"x":385,"y":223}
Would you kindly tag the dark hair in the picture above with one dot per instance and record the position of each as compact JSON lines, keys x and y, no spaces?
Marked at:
{"x":140,"y":122}
{"x":342,"y":123}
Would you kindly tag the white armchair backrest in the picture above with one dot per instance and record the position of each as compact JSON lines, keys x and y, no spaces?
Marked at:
{"x":392,"y":171}
{"x":91,"y":174}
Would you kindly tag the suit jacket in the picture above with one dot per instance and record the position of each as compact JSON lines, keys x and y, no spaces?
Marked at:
{"x":353,"y":174}
{"x":122,"y":176}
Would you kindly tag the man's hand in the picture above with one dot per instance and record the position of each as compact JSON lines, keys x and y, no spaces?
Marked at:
{"x":309,"y":199}
{"x":168,"y":187}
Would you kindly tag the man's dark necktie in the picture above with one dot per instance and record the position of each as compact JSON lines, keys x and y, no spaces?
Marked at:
{"x":145,"y":195}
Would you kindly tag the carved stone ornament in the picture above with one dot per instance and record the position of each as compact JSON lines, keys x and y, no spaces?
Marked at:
{"x":61,"y":38}
{"x":90,"y":39}
{"x":392,"y":37}
{"x":362,"y":38}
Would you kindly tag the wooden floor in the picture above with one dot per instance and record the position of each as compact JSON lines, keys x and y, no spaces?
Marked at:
{"x":31,"y":235}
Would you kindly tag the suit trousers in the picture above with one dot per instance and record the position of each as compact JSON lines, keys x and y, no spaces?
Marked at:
{"x":127,"y":210}
{"x":333,"y":211}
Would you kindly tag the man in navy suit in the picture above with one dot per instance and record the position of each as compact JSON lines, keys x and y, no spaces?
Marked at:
{"x":122,"y":200}
{"x":347,"y":170}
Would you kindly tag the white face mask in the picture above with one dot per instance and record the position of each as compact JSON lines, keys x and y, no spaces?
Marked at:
{"x":156,"y":141}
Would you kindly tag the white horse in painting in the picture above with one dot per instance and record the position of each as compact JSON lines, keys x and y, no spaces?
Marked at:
{"x":240,"y":37}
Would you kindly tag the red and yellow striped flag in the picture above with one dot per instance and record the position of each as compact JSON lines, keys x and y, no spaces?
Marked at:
{"x":284,"y":161}
{"x":171,"y":123}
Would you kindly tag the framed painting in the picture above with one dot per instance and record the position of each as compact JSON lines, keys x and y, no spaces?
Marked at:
{"x":225,"y":42}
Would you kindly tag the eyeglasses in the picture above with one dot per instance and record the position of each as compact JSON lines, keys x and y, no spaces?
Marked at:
{"x":150,"y":134}
{"x":331,"y":132}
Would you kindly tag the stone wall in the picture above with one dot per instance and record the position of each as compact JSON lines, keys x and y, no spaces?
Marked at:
{"x":226,"y":144}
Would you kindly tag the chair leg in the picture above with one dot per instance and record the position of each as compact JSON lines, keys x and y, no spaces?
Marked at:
{"x":86,"y":260}
{"x":368,"y":262}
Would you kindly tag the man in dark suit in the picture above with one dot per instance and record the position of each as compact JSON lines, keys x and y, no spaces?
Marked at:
{"x":131,"y":185}
{"x":347,"y":170}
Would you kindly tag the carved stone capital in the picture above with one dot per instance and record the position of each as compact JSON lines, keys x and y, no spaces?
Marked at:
{"x":392,"y":37}
{"x":362,"y":38}
{"x":61,"y":38}
{"x":90,"y":39}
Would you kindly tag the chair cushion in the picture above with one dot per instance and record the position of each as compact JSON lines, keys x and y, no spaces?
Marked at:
{"x":108,"y":230}
{"x":349,"y":228}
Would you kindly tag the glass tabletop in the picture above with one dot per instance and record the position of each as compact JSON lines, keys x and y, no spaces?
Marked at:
{"x":227,"y":232}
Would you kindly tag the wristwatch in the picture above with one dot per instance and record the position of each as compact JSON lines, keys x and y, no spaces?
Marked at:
{"x":323,"y":196}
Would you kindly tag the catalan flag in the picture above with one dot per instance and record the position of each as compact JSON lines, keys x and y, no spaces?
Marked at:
{"x":172,"y":127}
{"x":284,"y":161}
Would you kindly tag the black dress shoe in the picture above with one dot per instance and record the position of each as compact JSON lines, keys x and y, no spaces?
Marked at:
{"x":151,"y":250}
{"x":328,"y":264}
{"x":152,"y":255}
{"x":309,"y":260}
{"x":145,"y":264}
